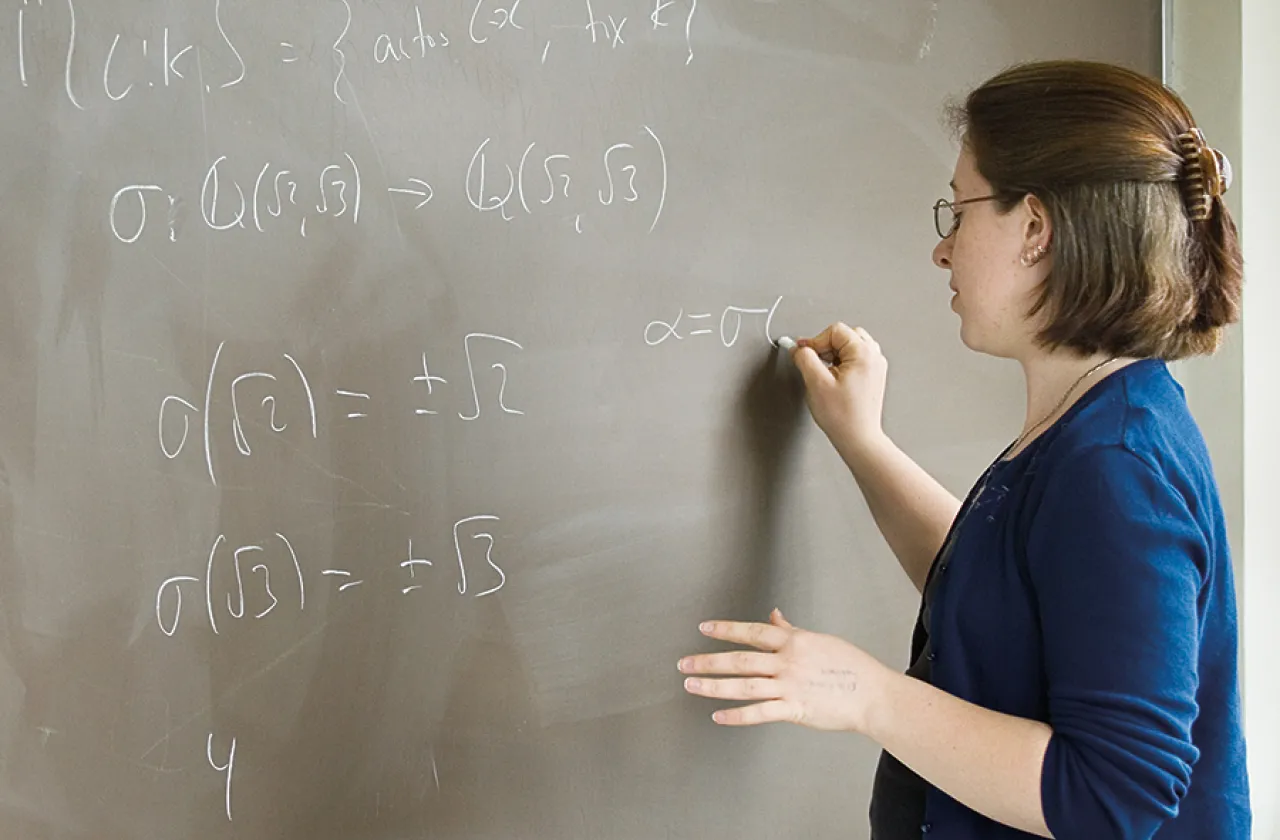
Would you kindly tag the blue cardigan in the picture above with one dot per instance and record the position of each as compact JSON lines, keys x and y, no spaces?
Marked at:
{"x":1090,"y":587}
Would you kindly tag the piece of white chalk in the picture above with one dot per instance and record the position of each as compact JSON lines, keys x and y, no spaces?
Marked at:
{"x":786,"y":343}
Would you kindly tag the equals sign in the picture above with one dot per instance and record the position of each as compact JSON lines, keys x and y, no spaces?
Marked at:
{"x":697,"y":318}
{"x":357,"y":395}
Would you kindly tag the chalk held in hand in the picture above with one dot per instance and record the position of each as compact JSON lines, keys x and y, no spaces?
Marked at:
{"x":788,"y":343}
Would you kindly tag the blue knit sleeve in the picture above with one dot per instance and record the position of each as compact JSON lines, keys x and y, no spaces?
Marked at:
{"x":1117,"y":563}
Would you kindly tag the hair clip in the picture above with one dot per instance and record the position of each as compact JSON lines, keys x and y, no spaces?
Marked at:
{"x":1206,"y":174}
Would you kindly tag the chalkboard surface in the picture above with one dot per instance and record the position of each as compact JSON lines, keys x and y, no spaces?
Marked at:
{"x":389,"y":391}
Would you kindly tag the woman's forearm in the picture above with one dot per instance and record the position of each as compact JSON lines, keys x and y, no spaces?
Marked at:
{"x":988,"y":761}
{"x":912,"y":510}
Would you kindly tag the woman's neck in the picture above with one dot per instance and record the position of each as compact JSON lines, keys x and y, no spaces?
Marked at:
{"x":1055,"y":381}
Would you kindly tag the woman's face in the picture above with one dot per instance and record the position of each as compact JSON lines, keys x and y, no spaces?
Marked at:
{"x":993,"y":289}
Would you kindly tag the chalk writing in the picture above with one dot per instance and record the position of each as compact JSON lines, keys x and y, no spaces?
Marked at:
{"x":241,"y":581}
{"x":419,"y":189}
{"x":607,"y":30}
{"x":498,"y":15}
{"x":410,"y":564}
{"x":123,"y":48}
{"x":264,"y":388}
{"x":173,"y":403}
{"x":177,"y":610}
{"x":388,"y":48}
{"x":730,"y":326}
{"x":139,"y":191}
{"x":71,"y":53}
{"x":427,"y":379}
{"x":344,"y":574}
{"x":335,"y":197}
{"x":217,"y":17}
{"x":488,"y":553}
{"x":548,"y":180}
{"x":229,"y":200}
{"x":170,"y":621}
{"x":461,"y":529}
{"x":228,"y":767}
{"x":356,"y":395}
{"x":169,"y":61}
{"x":659,"y":6}
{"x":22,"y":40}
{"x":498,"y":366}
{"x":126,"y":67}
{"x":340,"y":56}
{"x":256,"y":586}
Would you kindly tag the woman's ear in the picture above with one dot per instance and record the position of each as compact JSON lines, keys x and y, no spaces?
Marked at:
{"x":1038,"y":232}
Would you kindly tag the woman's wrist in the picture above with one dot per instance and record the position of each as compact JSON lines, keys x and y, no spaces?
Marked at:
{"x":881,"y":685}
{"x":861,"y":449}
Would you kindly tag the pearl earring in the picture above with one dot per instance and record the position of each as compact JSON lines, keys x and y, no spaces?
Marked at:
{"x":1033,"y":256}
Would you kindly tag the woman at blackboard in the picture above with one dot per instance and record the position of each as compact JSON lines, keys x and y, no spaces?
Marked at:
{"x":1073,"y":667}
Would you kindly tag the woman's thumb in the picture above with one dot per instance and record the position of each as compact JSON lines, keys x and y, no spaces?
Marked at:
{"x":776,"y":618}
{"x":811,"y":366}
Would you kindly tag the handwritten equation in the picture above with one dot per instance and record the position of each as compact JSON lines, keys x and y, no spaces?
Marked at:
{"x":214,"y":49}
{"x":291,"y":375}
{"x":337,"y":191}
{"x":252,"y":594}
{"x":551,"y":177}
{"x":131,"y":63}
{"x":699,"y":325}
{"x":247,"y":574}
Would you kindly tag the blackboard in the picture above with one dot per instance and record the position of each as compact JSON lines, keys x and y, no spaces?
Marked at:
{"x":389,"y":391}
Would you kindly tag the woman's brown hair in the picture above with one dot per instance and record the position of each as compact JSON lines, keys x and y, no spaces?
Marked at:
{"x":1146,"y":261}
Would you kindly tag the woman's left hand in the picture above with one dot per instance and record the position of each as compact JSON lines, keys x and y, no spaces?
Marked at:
{"x":813,"y":679}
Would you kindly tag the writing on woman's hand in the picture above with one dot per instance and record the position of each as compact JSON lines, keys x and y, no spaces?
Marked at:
{"x":791,"y":675}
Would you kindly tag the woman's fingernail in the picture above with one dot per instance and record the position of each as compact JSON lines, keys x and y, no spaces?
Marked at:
{"x":693,"y":684}
{"x":705,"y":627}
{"x":718,"y":717}
{"x":682,"y":664}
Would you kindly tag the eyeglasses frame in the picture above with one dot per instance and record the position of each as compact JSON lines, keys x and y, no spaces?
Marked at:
{"x":952,"y":205}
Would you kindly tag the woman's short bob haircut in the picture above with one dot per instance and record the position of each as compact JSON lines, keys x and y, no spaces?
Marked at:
{"x":1145,"y":258}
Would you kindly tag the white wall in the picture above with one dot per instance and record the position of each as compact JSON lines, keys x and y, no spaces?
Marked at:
{"x":1223,"y":58}
{"x":1261,"y":214}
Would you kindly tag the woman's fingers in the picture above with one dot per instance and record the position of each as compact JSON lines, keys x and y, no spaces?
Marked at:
{"x":812,"y":367}
{"x":762,"y":636}
{"x":754,"y":688}
{"x":838,"y":343}
{"x":870,"y":342}
{"x":740,"y":663}
{"x":770,"y":711}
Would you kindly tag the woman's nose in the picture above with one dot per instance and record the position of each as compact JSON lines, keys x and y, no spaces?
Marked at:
{"x":942,"y":252}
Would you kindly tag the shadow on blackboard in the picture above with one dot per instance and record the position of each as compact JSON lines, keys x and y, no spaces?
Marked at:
{"x":769,"y":417}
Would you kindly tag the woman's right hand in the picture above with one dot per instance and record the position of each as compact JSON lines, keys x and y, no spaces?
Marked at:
{"x":844,"y":375}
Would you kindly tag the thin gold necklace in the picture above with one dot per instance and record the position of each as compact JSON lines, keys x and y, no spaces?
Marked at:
{"x":1090,"y":372}
{"x":981,"y":485}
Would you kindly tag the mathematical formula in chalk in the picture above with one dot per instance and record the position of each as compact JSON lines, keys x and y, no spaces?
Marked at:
{"x":261,"y":391}
{"x":699,"y":326}
{"x":273,"y":193}
{"x":128,"y":63}
{"x":243,"y":576}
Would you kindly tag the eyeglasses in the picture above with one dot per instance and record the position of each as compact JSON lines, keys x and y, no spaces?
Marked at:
{"x":945,"y":217}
